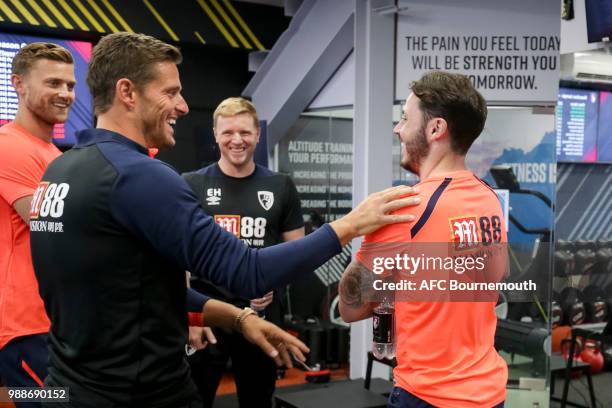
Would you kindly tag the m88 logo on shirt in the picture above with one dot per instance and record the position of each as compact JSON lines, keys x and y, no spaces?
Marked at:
{"x":48,"y":200}
{"x":230,"y":223}
{"x":243,"y":227}
{"x":465,"y":231}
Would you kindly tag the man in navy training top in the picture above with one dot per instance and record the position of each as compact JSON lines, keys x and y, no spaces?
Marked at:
{"x":113,"y":232}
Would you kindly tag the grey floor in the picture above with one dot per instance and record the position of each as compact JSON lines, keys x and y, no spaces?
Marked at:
{"x":578,"y":393}
{"x":378,"y":386}
{"x":226,"y":401}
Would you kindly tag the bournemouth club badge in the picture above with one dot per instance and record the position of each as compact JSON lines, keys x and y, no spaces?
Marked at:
{"x":266,"y":199}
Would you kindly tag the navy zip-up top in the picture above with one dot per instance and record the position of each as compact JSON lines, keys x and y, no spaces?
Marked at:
{"x":112,"y":234}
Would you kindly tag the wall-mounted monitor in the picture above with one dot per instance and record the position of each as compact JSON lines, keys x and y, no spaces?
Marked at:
{"x":599,"y":20}
{"x":577,"y":121}
{"x":81,"y":114}
{"x":604,"y":133}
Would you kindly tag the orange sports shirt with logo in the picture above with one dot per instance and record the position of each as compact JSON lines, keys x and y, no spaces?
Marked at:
{"x":23,"y":160}
{"x":445,"y":350}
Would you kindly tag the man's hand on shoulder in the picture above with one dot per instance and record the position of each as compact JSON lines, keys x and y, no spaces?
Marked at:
{"x":375,"y":212}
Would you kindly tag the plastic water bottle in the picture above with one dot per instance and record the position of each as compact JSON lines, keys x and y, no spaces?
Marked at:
{"x":383,"y":325}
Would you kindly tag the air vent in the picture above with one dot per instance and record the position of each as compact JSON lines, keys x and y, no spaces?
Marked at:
{"x":594,"y":77}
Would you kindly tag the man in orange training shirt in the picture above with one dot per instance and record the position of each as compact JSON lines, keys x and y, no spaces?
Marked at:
{"x":445,"y":350}
{"x":43,"y":78}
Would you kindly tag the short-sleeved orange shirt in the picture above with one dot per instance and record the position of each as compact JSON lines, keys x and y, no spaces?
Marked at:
{"x":445,"y":350}
{"x":23,"y":160}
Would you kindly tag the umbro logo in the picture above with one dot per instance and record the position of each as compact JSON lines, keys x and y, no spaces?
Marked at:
{"x":213,"y":196}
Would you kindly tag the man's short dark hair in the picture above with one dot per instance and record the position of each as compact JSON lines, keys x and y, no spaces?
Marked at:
{"x":453,"y":98}
{"x":125,"y":55}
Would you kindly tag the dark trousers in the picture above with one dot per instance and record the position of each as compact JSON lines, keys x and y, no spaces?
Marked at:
{"x":23,"y":363}
{"x":400,"y":398}
{"x":254,"y":371}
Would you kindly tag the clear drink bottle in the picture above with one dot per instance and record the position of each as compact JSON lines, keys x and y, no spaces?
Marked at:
{"x":383,"y":326}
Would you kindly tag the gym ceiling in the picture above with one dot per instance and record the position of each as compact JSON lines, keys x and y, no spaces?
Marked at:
{"x":220,"y":23}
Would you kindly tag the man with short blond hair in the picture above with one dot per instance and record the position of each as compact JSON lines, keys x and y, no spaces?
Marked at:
{"x":235,"y":106}
{"x":262,"y":208}
{"x":43,"y":78}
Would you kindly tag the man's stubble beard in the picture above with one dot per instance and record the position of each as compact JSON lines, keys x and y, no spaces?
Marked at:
{"x":415,"y":151}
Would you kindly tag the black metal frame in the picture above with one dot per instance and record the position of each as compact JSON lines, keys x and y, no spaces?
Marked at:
{"x":587,"y":334}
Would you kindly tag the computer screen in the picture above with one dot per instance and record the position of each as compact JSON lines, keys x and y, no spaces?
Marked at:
{"x":576,"y":117}
{"x":604,"y":133}
{"x":599,"y":20}
{"x":81,"y":113}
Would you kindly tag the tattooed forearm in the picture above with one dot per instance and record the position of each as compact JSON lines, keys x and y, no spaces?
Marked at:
{"x":355,"y":285}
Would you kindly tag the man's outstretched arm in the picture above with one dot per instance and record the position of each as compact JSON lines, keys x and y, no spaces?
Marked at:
{"x":157,"y":205}
{"x":354,"y":287}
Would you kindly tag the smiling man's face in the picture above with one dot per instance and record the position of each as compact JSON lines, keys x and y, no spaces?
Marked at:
{"x":47,"y":90}
{"x":160,"y":104}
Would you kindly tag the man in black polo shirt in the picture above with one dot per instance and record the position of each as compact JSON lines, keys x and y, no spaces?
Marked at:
{"x":113,"y":232}
{"x":262,"y":208}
